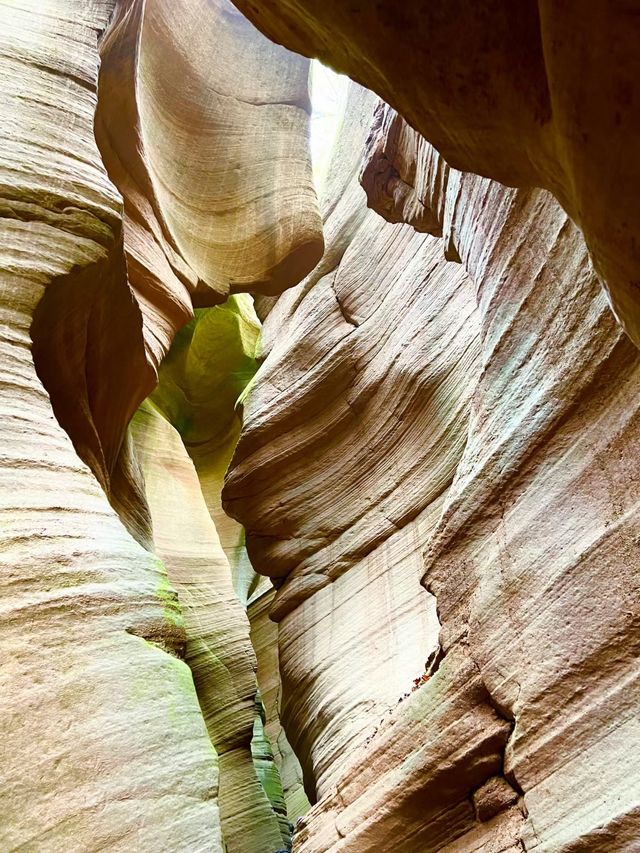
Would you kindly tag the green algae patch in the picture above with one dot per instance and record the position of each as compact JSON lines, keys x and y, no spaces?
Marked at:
{"x":168,"y":598}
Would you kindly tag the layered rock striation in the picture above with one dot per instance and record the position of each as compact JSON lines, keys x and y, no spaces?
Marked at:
{"x":107,"y":744}
{"x":540,"y":94}
{"x":103,"y":742}
{"x":412,"y":601}
{"x":523,"y":731}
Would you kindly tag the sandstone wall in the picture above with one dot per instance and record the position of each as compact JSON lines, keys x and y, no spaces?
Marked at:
{"x":103,"y":743}
{"x":130,"y":193}
{"x":533,"y":94}
{"x":436,"y":466}
{"x":482,"y":414}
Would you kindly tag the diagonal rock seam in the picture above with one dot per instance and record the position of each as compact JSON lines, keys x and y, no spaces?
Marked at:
{"x":237,"y":531}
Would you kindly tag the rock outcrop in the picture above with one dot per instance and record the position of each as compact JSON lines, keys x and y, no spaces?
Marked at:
{"x":105,"y":743}
{"x":514,"y":486}
{"x":538,"y":94}
{"x":371,"y":566}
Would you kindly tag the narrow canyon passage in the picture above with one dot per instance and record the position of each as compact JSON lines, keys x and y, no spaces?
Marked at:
{"x":319,"y":431}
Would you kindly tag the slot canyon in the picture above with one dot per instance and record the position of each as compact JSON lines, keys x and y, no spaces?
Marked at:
{"x":320,"y":433}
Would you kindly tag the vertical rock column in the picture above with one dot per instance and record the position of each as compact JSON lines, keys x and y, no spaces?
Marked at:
{"x":103,"y":741}
{"x":218,"y":649}
{"x":353,"y":430}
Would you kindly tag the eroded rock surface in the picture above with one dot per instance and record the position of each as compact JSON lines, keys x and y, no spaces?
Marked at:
{"x":438,"y":463}
{"x":344,"y":541}
{"x":202,"y":215}
{"x":218,"y":650}
{"x":103,"y":743}
{"x":530,"y":550}
{"x":535,"y":94}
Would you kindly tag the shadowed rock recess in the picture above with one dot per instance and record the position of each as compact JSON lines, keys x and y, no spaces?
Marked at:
{"x":320,"y":505}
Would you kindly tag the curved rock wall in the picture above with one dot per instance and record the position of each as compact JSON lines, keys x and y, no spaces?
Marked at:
{"x":437,"y":462}
{"x":203,"y":216}
{"x":264,"y":637}
{"x":218,"y":650}
{"x":105,"y":743}
{"x":537,"y":93}
{"x":524,"y":732}
{"x":184,"y":436}
{"x":381,"y":352}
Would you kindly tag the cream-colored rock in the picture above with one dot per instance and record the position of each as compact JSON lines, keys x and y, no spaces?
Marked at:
{"x":544,"y":491}
{"x":218,"y":649}
{"x":202,"y":381}
{"x":218,"y":170}
{"x":103,"y":743}
{"x":446,"y":397}
{"x":203,"y":215}
{"x":538,"y":680}
{"x":352,"y":432}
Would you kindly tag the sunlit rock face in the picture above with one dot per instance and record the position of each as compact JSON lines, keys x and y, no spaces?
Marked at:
{"x":103,"y":743}
{"x":352,"y":432}
{"x":218,"y":650}
{"x":537,"y":93}
{"x":184,"y":436}
{"x":525,"y":732}
{"x":203,"y":216}
{"x":119,"y":214}
{"x":438,"y":429}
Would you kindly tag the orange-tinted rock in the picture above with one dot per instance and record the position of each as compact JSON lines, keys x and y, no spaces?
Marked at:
{"x":536,"y":683}
{"x":535,"y":94}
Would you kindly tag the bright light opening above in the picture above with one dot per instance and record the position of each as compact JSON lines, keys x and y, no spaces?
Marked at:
{"x":328,"y":100}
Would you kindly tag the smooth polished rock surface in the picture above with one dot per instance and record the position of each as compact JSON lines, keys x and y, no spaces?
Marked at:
{"x":352,"y":432}
{"x":203,"y":216}
{"x":218,"y":649}
{"x":105,"y":745}
{"x":438,"y":464}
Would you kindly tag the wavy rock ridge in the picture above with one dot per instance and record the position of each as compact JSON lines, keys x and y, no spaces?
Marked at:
{"x":526,"y":712}
{"x":367,"y":563}
{"x":107,"y":744}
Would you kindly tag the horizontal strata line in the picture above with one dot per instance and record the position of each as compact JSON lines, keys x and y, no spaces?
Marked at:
{"x":88,"y":85}
{"x":20,"y":211}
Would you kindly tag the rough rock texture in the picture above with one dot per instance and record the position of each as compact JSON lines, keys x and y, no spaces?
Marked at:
{"x":105,"y":745}
{"x":264,"y":637}
{"x":529,"y":519}
{"x":537,"y":93}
